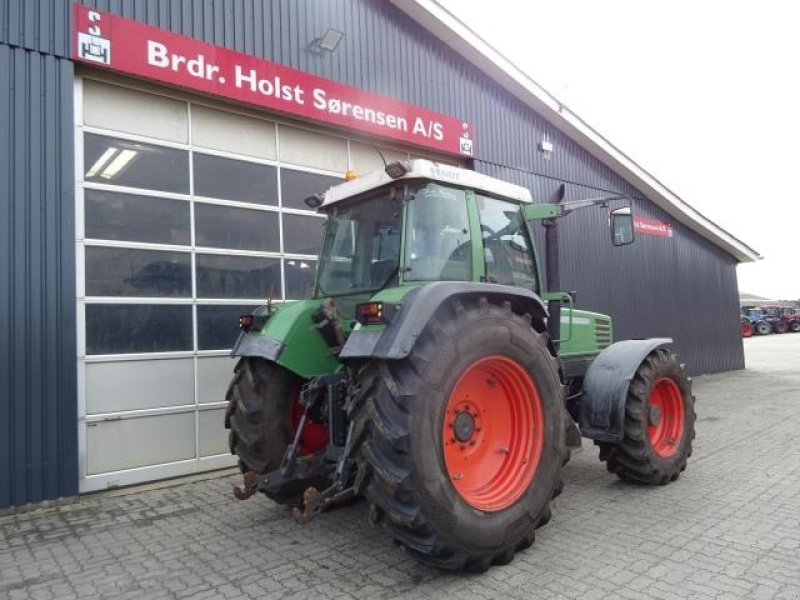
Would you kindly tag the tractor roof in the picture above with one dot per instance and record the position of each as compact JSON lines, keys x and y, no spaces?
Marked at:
{"x":425,"y":169}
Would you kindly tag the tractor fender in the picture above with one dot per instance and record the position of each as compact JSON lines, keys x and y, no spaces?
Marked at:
{"x":397,"y":339}
{"x":605,"y":387}
{"x":263,"y":346}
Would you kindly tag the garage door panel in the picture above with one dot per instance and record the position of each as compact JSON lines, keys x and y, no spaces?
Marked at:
{"x":213,"y":375}
{"x":213,"y":436}
{"x":139,"y":442}
{"x":309,"y":149}
{"x":115,"y":107}
{"x":139,"y":384}
{"x":230,"y":132}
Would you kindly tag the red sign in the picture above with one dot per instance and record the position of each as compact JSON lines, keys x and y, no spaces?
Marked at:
{"x":654,"y":227}
{"x":106,"y":40}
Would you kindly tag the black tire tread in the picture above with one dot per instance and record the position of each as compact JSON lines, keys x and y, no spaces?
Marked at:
{"x":257,"y":415}
{"x":633,"y":459}
{"x":382,"y":448}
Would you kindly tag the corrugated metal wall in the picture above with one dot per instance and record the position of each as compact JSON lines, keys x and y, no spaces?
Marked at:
{"x":38,"y":399}
{"x":683,"y":286}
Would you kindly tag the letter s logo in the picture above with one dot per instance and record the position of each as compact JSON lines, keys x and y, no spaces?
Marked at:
{"x":94,"y":17}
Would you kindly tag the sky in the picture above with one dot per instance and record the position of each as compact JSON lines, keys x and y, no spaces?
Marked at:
{"x":703,"y":94}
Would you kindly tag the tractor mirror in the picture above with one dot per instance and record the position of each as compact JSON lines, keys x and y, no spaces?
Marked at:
{"x":622,"y":226}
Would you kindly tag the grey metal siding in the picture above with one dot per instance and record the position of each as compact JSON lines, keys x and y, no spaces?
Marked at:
{"x":38,"y":397}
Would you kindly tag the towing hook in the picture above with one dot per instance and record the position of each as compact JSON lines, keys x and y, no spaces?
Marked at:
{"x":250,"y":486}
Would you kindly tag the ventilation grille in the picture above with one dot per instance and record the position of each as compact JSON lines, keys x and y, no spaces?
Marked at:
{"x":602,"y":328}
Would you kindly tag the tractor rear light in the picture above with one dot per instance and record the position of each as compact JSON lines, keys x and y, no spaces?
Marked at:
{"x":375,"y":313}
{"x":369,"y":313}
{"x":252,"y":322}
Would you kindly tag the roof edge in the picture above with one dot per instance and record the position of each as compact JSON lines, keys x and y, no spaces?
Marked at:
{"x":452,"y":31}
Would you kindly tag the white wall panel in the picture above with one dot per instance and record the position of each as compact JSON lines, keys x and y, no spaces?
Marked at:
{"x":230,"y":132}
{"x":121,"y":109}
{"x":213,"y":437}
{"x":139,"y":442}
{"x":309,"y":149}
{"x":213,"y":375}
{"x":138,"y":384}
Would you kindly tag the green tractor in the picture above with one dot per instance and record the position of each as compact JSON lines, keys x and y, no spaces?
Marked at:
{"x":428,"y":375}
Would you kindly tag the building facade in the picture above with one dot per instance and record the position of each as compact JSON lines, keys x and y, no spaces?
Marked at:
{"x":149,"y":200}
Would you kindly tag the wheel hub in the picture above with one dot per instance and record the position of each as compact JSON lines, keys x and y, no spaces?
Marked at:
{"x":655,"y":416}
{"x":464,"y":426}
{"x":493,"y":433}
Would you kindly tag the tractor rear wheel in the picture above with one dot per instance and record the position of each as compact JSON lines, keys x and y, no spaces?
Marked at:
{"x":794,"y":326}
{"x":459,"y":445}
{"x":262,"y":415}
{"x":659,"y":424}
{"x":763,"y":328}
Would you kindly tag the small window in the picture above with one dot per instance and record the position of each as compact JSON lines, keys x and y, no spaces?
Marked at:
{"x":302,"y":235}
{"x":238,"y":180}
{"x":218,"y":326}
{"x":296,"y":186}
{"x":135,"y":328}
{"x":438,"y":245}
{"x":236,"y":228}
{"x":125,"y":217}
{"x":121,"y":162}
{"x":222,"y":276}
{"x":130,"y":272}
{"x":506,"y":248}
{"x":300,"y":274}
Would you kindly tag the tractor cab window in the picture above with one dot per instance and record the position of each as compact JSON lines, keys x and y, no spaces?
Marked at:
{"x":361,"y":249}
{"x":438,"y":245}
{"x":506,"y":247}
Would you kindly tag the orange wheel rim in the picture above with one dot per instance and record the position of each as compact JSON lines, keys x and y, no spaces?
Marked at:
{"x":665,"y":421}
{"x":493,"y":433}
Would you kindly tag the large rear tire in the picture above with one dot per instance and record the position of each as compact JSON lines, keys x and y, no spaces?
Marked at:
{"x":794,"y":326}
{"x":763,"y":328}
{"x":459,"y":446}
{"x":659,"y":424}
{"x":259,"y":415}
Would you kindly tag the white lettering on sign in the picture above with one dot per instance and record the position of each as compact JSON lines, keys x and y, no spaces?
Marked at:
{"x":336,"y":106}
{"x":159,"y":55}
{"x":268,"y":87}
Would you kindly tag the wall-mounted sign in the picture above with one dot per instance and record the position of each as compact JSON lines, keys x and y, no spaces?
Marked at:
{"x":654,"y":227}
{"x":113,"y":42}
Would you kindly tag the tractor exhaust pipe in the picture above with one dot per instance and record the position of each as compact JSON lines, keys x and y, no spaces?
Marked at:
{"x":552,"y":267}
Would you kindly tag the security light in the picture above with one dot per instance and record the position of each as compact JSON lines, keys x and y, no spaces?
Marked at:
{"x":315,"y":201}
{"x":396,"y":169}
{"x":327,"y":43}
{"x":330,"y":41}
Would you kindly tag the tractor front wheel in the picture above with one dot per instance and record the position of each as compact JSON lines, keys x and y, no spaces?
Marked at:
{"x":659,"y":424}
{"x":747,"y":330}
{"x":795,"y":326}
{"x":459,"y":445}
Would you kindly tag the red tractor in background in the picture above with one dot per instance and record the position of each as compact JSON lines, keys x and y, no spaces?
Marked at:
{"x":784,"y":318}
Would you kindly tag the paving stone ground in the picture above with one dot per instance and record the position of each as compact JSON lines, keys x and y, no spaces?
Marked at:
{"x":728,"y":528}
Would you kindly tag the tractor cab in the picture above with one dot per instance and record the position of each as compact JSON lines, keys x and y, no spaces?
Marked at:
{"x":420,"y":222}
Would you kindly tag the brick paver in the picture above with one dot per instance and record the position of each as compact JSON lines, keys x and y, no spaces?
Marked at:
{"x":728,"y":528}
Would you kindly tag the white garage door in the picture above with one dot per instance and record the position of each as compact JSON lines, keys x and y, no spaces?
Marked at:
{"x":188,"y":214}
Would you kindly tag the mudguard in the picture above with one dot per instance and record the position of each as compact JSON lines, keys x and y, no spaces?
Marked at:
{"x":605,"y":387}
{"x":397,"y":339}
